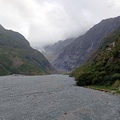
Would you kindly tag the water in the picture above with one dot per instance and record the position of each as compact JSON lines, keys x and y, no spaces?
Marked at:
{"x":54,"y":97}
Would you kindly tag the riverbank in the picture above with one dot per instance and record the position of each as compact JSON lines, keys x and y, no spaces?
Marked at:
{"x":105,"y":89}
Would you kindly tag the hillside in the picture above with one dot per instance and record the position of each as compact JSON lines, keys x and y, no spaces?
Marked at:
{"x":17,"y":57}
{"x":76,"y":53}
{"x":105,"y":68}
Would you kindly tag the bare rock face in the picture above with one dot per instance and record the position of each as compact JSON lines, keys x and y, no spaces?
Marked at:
{"x":52,"y":51}
{"x":75,"y":53}
{"x":17,"y":62}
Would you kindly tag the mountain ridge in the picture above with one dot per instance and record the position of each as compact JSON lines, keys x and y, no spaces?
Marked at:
{"x":18,"y":57}
{"x":76,"y":53}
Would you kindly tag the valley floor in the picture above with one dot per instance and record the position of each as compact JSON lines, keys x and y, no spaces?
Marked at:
{"x":54,"y":97}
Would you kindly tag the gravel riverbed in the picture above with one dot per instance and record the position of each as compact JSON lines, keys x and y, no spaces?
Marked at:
{"x":54,"y":97}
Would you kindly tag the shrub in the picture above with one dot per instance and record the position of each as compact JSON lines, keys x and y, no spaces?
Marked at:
{"x":84,"y":79}
{"x":115,"y":77}
{"x":116,"y":84}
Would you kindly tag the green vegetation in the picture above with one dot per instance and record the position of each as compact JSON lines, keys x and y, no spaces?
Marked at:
{"x":104,"y":70}
{"x":21,"y":61}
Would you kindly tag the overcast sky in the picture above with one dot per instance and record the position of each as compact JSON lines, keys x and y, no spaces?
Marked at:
{"x":47,"y":21}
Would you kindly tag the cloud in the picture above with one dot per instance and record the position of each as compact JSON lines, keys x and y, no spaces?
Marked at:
{"x":47,"y":21}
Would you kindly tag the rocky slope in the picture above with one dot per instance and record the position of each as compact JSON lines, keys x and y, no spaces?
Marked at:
{"x":17,"y":57}
{"x":52,"y":51}
{"x":76,"y":53}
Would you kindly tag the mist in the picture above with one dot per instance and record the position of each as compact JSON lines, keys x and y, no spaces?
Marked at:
{"x":44,"y":22}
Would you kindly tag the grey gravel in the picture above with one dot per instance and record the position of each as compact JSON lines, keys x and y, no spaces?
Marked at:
{"x":54,"y":97}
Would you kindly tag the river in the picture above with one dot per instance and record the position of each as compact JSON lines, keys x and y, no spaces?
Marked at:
{"x":54,"y":97}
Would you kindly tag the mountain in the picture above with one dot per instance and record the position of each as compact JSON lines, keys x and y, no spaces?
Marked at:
{"x":17,"y":57}
{"x":52,"y":51}
{"x":105,"y":68}
{"x":76,"y":53}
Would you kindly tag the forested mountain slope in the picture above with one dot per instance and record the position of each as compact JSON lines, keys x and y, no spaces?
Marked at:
{"x":105,"y":68}
{"x":17,"y":57}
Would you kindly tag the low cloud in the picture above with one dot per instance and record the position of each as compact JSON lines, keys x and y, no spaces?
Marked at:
{"x":47,"y":21}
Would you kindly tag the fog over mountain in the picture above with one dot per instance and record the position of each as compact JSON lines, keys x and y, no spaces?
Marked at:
{"x":44,"y":22}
